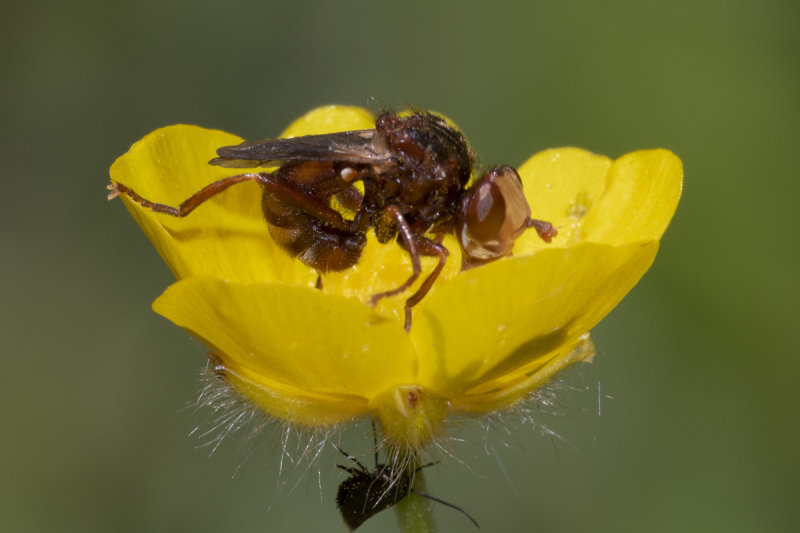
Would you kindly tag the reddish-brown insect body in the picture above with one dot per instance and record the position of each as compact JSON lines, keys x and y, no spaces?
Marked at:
{"x":414,"y":170}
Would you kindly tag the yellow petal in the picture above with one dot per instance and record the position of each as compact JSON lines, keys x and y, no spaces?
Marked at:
{"x":331,"y":119}
{"x":642,"y":193}
{"x":516,"y":314}
{"x":294,"y":341}
{"x":505,"y":391}
{"x":561,"y":185}
{"x":590,"y":198}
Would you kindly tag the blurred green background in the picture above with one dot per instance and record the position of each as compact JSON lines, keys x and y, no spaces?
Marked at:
{"x":687,"y":420}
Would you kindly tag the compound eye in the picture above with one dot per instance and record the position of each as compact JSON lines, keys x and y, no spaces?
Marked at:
{"x":485,"y":211}
{"x":493,"y":214}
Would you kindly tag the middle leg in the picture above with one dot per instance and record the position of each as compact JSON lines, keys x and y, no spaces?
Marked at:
{"x":416,"y":245}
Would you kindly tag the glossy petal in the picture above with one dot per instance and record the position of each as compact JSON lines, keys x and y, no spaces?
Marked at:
{"x":512,"y":314}
{"x":641,"y":195}
{"x":330,"y":119}
{"x":561,"y":185}
{"x":294,"y":341}
{"x":591,"y":198}
{"x":505,"y":391}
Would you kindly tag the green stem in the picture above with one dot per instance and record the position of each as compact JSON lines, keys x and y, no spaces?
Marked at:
{"x":414,"y":511}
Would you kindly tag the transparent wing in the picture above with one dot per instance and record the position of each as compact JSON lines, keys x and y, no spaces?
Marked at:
{"x":362,"y":146}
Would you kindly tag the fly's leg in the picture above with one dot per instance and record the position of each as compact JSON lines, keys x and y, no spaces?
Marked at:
{"x":429,"y":248}
{"x":416,"y":246}
{"x":410,"y":242}
{"x":302,"y":224}
{"x":306,"y":227}
{"x":190,"y":204}
{"x":286,"y":193}
{"x":545,"y":230}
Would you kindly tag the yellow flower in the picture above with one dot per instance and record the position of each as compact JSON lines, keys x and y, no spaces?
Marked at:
{"x":481,"y":340}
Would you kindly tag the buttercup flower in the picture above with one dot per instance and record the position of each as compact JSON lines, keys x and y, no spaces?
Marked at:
{"x":481,"y":340}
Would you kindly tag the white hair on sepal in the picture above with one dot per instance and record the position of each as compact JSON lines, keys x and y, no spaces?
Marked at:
{"x":227,"y":413}
{"x":566,"y":396}
{"x":300,"y":449}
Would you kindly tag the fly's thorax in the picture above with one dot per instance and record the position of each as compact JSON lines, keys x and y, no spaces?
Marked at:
{"x":430,"y":166}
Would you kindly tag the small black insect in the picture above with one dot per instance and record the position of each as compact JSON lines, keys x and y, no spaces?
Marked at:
{"x":414,"y":171}
{"x":365,"y":494}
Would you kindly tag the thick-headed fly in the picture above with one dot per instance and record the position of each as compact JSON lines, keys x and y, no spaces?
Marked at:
{"x":414,"y":172}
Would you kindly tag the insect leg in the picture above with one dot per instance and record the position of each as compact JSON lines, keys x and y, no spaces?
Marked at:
{"x":545,"y":230}
{"x":189,"y":205}
{"x":430,"y":248}
{"x":415,"y":245}
{"x":426,"y":465}
{"x":351,"y":457}
{"x":411,"y":244}
{"x":288,"y":194}
{"x":452,"y":506}
{"x":296,"y":198}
